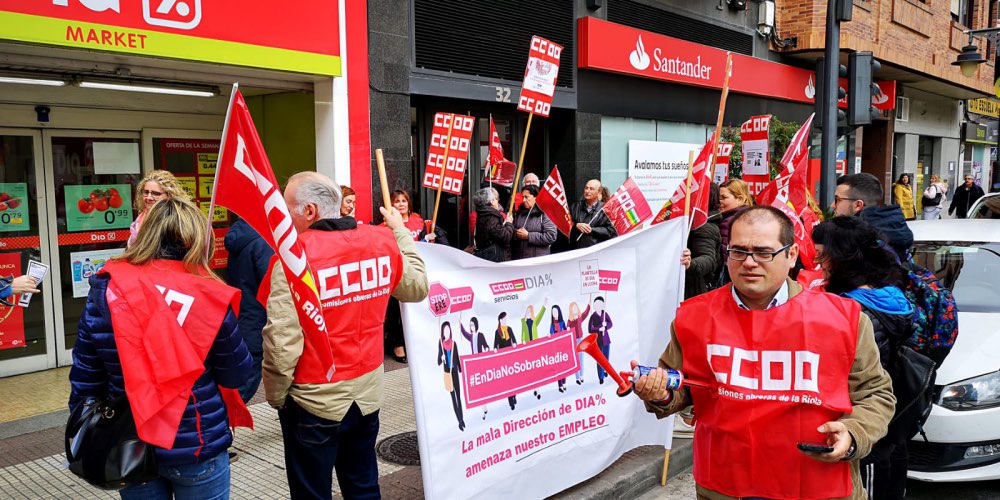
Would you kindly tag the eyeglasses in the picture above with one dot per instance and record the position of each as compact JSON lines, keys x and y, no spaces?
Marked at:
{"x":838,"y":199}
{"x":758,"y":256}
{"x":146,"y":192}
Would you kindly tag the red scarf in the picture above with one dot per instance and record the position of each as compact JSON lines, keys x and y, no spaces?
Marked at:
{"x":165,"y":320}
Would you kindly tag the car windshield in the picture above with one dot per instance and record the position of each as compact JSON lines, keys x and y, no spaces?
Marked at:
{"x":970,"y":270}
{"x":989,"y":208}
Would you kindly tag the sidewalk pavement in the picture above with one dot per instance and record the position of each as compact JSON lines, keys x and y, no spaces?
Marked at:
{"x":32,"y":465}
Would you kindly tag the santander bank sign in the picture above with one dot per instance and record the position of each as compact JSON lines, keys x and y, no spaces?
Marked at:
{"x":607,"y":46}
{"x":672,"y":65}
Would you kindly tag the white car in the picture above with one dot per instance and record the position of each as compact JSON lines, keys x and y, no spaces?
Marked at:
{"x":987,"y":207}
{"x":963,"y":430}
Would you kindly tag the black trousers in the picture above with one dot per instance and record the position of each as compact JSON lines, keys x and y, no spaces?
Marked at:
{"x":314,"y":446}
{"x":884,"y":474}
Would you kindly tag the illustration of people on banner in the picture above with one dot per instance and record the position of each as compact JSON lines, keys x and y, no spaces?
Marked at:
{"x":558,"y":301}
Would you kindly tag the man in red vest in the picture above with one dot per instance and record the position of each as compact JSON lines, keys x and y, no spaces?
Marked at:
{"x":327,"y":424}
{"x":785,"y":367}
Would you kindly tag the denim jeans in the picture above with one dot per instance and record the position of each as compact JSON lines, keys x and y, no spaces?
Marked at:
{"x":606,"y":350}
{"x":208,"y":480}
{"x":315,"y":445}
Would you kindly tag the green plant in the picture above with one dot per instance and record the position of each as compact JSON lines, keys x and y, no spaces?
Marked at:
{"x":780,"y":134}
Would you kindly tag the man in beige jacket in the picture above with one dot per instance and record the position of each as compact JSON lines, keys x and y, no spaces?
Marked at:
{"x":333,"y":423}
{"x":752,"y":419}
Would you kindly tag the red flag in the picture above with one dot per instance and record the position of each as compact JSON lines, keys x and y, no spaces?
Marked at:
{"x":552,"y":201}
{"x":498,"y":169}
{"x":787,"y":192}
{"x":701,"y":178}
{"x":627,"y":208}
{"x":245,"y":184}
{"x":451,"y":138}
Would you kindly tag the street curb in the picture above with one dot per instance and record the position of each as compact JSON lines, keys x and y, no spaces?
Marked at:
{"x":635,"y":473}
{"x":34,"y":423}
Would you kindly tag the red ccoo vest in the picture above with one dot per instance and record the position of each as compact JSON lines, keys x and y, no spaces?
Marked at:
{"x":355,"y":272}
{"x":777,"y":375}
{"x":165,"y":320}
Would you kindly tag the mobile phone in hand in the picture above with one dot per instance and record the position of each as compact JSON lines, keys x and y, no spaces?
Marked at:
{"x":815,"y":447}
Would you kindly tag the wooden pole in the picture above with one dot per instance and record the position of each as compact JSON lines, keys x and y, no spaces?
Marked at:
{"x":687,"y":185}
{"x":666,"y":463}
{"x":380,"y":161}
{"x":520,"y":163}
{"x":722,"y":108}
{"x":444,"y":163}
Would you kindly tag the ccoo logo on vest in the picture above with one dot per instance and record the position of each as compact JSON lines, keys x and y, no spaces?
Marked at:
{"x":348,"y":280}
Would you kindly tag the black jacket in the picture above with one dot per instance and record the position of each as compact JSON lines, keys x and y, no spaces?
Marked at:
{"x":963,"y":200}
{"x":602,"y":228}
{"x":249,"y":259}
{"x":704,"y":245}
{"x":492,"y":229}
{"x":889,"y":221}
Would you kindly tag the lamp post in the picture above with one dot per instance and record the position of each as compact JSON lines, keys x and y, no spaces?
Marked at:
{"x":970,"y":59}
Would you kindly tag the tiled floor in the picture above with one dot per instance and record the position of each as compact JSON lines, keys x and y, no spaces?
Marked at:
{"x":259,"y":473}
{"x":33,"y":394}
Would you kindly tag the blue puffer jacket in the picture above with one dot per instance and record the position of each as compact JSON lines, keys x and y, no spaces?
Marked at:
{"x":97,"y":372}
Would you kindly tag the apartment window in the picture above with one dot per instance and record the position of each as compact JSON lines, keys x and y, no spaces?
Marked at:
{"x":961,"y":12}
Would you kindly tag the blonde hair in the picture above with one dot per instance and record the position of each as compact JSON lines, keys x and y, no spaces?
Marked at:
{"x":935,"y":178}
{"x":739,"y":188}
{"x":167,"y":182}
{"x":178,"y":222}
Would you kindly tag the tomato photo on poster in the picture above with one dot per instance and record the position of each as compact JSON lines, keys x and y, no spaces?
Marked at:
{"x":11,"y":317}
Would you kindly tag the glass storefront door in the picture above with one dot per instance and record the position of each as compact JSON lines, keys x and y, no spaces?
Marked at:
{"x":92,"y":196}
{"x":26,"y":341}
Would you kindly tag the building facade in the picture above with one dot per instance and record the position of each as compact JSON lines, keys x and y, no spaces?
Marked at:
{"x":916,"y":42}
{"x":95,"y":94}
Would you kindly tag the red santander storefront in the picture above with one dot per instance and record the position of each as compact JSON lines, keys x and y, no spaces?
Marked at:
{"x":651,"y":87}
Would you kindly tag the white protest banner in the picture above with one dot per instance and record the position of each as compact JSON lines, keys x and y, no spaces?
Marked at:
{"x":510,"y":330}
{"x":659,"y":167}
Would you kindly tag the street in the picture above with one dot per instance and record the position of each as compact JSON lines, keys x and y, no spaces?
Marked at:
{"x":681,"y":487}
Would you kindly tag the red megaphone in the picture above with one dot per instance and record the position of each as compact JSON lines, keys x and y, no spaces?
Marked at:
{"x":589,"y":345}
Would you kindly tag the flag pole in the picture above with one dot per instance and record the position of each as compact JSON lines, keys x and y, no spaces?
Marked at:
{"x":444,"y":163}
{"x":666,"y":462}
{"x":380,"y":161}
{"x":222,"y":147}
{"x":520,"y":163}
{"x":715,"y":135}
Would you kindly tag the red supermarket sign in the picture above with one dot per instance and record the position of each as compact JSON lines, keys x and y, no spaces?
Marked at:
{"x":301,"y":36}
{"x":607,"y":46}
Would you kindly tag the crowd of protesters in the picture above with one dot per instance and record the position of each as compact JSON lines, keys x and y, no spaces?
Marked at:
{"x":741,"y":268}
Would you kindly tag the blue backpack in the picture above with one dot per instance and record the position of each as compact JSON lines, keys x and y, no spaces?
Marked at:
{"x":935,"y":316}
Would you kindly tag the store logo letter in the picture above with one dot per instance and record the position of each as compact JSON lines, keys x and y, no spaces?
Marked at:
{"x":639,"y":58}
{"x":94,"y":5}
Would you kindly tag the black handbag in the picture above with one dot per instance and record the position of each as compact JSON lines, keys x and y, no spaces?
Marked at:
{"x":103,"y":447}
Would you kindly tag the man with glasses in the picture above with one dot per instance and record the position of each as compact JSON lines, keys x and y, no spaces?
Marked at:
{"x":786,"y":368}
{"x":861,"y":195}
{"x":966,"y":196}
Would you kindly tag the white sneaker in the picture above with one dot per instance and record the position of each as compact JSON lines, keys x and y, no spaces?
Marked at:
{"x":682,"y":430}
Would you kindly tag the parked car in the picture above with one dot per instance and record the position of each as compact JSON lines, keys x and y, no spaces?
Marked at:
{"x":987,"y":207}
{"x":963,"y":430}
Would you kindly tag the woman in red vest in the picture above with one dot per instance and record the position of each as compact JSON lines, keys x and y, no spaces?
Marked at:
{"x":160,"y":301}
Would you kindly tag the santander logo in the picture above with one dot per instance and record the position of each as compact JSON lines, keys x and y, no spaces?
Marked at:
{"x":638,"y":57}
{"x":810,"y":88}
{"x":880,"y":97}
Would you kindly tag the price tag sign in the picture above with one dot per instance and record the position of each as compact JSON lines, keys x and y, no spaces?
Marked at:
{"x":14,"y":207}
{"x":220,"y":214}
{"x":205,"y":187}
{"x":100,"y":206}
{"x":189,"y":184}
{"x":206,"y":162}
